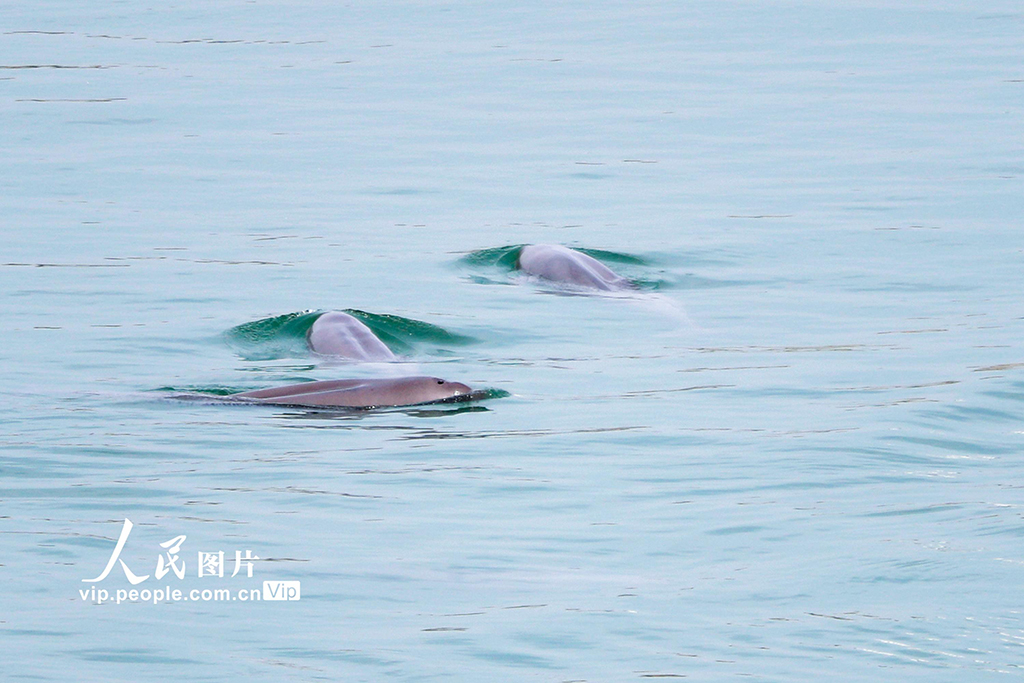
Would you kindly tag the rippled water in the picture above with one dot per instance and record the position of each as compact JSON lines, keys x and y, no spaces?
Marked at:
{"x":798,"y":452}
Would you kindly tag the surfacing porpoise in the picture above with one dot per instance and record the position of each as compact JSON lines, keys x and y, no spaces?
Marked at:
{"x":339,"y":334}
{"x":361,"y":393}
{"x":562,"y":264}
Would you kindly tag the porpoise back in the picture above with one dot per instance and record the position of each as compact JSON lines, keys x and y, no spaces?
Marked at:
{"x":340,"y":334}
{"x":561,"y":264}
{"x":360,"y":393}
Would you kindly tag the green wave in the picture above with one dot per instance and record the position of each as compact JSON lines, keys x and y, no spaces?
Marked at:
{"x":284,"y":336}
{"x":405,"y":335}
{"x":281,"y":336}
{"x":506,"y":258}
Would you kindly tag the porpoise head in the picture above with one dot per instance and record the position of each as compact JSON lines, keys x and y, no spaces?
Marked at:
{"x":429,"y":390}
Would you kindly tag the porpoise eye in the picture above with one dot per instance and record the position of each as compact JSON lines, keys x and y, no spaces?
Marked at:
{"x":440,"y":381}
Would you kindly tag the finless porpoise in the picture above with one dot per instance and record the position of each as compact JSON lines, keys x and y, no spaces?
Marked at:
{"x":339,"y":334}
{"x":360,"y":393}
{"x":562,"y":264}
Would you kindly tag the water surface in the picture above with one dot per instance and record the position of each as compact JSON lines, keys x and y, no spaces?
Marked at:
{"x":798,"y":453}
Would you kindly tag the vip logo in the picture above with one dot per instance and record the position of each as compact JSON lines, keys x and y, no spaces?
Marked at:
{"x":281,"y":590}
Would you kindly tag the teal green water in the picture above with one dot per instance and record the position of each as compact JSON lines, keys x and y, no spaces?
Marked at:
{"x":798,"y":453}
